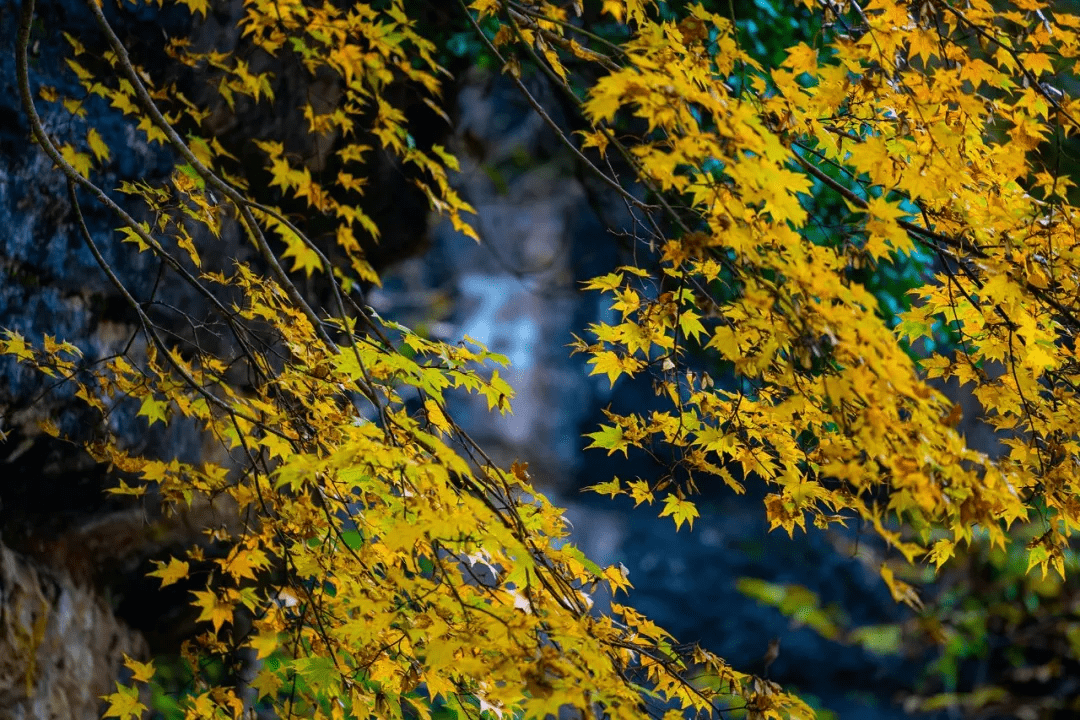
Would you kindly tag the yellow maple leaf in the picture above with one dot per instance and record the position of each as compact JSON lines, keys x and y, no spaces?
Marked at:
{"x":485,"y":7}
{"x":612,"y":365}
{"x":801,"y":58}
{"x":243,"y":562}
{"x":197,"y":6}
{"x":187,"y":244}
{"x":264,"y":644}
{"x":79,"y":160}
{"x":614,"y":8}
{"x":1038,"y":63}
{"x":304,"y":257}
{"x":941,"y":552}
{"x":124,"y":703}
{"x":124,"y":489}
{"x":15,"y":344}
{"x":266,"y":683}
{"x":97,"y":145}
{"x":1038,"y":358}
{"x":140,"y":671}
{"x":171,"y":572}
{"x":680,"y":510}
{"x":436,"y":416}
{"x":76,"y":46}
{"x":690,"y":324}
{"x":213,"y":609}
{"x":900,"y":590}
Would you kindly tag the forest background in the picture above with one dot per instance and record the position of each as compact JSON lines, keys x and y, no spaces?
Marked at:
{"x":715,"y":313}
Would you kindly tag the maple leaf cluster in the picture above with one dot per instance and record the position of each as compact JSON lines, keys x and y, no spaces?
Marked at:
{"x":378,"y":562}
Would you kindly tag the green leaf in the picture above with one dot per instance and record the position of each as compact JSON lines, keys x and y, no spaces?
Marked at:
{"x":154,"y":410}
{"x":608,"y":438}
{"x":352,"y":539}
{"x":575,"y":553}
{"x":193,"y":174}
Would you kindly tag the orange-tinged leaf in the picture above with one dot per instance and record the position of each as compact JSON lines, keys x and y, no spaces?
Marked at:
{"x":1038,"y":63}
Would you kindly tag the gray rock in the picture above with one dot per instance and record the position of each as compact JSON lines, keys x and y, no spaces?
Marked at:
{"x":61,"y":647}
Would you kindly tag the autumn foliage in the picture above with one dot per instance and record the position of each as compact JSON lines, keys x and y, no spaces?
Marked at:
{"x":380,"y":563}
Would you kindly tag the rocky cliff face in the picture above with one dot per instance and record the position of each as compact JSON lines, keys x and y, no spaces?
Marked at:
{"x":61,"y":645}
{"x":61,"y":641}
